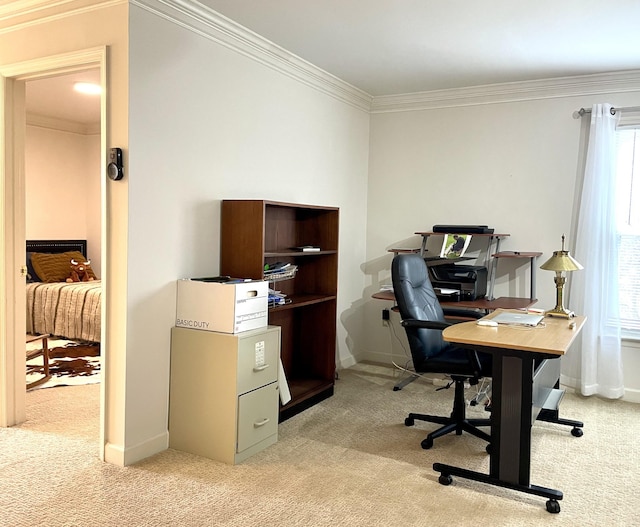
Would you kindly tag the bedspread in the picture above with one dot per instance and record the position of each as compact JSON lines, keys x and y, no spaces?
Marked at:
{"x":67,"y":310}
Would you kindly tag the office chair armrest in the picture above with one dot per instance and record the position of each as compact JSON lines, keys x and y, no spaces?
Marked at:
{"x":426,"y":324}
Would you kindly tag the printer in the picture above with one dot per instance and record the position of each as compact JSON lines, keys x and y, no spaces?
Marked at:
{"x":454,"y":282}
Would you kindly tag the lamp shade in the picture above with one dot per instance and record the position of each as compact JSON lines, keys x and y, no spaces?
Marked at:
{"x":561,"y":261}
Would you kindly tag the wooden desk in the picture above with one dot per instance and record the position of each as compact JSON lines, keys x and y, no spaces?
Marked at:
{"x":525,"y":370}
{"x":503,"y":302}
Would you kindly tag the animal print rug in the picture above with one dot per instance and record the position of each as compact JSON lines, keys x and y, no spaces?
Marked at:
{"x":70,"y":363}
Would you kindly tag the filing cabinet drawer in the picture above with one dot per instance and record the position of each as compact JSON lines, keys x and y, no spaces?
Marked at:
{"x":258,"y":355}
{"x":257,"y":416}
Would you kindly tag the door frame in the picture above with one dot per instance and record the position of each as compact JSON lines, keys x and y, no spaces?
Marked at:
{"x":12,"y":208}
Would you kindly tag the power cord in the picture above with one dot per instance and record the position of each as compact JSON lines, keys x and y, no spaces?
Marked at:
{"x":524,"y":327}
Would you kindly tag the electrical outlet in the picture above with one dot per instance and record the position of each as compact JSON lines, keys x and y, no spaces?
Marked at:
{"x":385,"y":314}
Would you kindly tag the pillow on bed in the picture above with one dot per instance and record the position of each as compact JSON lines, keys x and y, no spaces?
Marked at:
{"x":56,"y":267}
{"x":31,"y":274}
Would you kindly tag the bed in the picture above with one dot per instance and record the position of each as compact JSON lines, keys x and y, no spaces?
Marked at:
{"x":66,"y":310}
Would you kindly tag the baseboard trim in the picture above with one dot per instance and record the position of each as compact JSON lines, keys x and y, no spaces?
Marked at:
{"x":380,"y":358}
{"x":631,"y":396}
{"x":348,"y":362}
{"x":122,"y":457}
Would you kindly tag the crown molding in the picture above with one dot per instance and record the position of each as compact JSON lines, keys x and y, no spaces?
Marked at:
{"x":601,"y":83}
{"x":62,"y":125}
{"x":21,"y":14}
{"x":206,"y":22}
{"x":210,"y":24}
{"x":202,"y":20}
{"x":25,"y":7}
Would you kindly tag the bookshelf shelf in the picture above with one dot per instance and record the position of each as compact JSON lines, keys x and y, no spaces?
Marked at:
{"x":289,"y":253}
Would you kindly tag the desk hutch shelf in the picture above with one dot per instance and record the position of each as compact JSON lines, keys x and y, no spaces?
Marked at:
{"x":492,"y":255}
{"x":259,"y":232}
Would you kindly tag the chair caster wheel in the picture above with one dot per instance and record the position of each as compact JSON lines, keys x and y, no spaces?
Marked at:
{"x":445,"y":479}
{"x":427,"y":443}
{"x":409,"y":421}
{"x":553,"y":506}
{"x":577,"y":432}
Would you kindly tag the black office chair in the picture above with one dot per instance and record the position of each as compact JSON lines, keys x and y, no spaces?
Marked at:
{"x":424,"y":319}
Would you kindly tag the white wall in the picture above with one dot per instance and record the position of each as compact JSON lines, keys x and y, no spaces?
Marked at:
{"x":62,"y":183}
{"x":512,"y":166}
{"x":207,"y":124}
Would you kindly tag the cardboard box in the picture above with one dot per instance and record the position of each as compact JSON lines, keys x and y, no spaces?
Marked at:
{"x":227,"y":307}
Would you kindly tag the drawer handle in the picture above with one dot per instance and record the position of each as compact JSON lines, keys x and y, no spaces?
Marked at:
{"x":260,"y":368}
{"x":261,"y":423}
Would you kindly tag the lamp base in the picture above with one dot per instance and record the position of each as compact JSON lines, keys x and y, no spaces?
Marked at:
{"x":560,"y":312}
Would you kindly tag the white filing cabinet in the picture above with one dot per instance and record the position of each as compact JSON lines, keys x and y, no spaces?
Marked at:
{"x":224,"y":399}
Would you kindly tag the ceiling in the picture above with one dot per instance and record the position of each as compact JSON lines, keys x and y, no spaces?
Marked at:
{"x":392,"y":47}
{"x":54,"y":97}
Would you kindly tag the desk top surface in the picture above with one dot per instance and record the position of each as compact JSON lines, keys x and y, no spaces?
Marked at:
{"x":505,"y":302}
{"x":554,"y":337}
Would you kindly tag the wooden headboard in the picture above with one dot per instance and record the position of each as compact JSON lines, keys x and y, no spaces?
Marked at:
{"x":56,"y":246}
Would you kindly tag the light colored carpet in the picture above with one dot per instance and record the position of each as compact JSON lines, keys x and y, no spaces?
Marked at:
{"x":348,"y":461}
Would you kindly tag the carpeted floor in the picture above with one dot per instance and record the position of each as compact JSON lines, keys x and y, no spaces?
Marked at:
{"x":348,"y":461}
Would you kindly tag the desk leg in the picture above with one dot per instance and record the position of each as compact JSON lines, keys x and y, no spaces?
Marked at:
{"x":511,"y":420}
{"x":552,"y":416}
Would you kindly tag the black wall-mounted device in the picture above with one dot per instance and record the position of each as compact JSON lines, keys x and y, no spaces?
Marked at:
{"x":115,"y":169}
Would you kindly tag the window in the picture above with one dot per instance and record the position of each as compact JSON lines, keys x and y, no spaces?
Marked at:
{"x":628,"y":201}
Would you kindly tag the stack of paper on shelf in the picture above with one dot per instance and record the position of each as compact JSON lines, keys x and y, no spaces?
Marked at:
{"x":277,"y":298}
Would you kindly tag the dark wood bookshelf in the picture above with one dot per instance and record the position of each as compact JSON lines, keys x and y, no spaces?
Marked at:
{"x":259,"y":232}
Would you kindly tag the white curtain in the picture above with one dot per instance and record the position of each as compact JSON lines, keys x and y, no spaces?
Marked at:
{"x":595,"y":366}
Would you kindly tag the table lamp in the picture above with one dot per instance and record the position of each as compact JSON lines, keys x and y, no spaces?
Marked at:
{"x":561,"y":262}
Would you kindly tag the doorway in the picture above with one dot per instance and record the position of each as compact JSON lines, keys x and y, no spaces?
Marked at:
{"x":13,"y":83}
{"x":62,"y":202}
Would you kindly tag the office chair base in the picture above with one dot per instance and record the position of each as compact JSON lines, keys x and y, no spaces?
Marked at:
{"x":457,"y":422}
{"x":451,"y":424}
